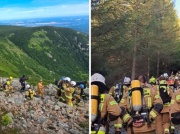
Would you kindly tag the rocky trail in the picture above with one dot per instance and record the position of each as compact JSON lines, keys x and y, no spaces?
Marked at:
{"x":44,"y":116}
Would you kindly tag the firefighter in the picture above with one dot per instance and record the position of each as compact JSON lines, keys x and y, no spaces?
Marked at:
{"x":144,"y":105}
{"x":30,"y":93}
{"x":8,"y":86}
{"x":104,"y":108}
{"x":65,"y":84}
{"x":162,"y":120}
{"x":152,"y":81}
{"x":77,"y":96}
{"x":175,"y":110}
{"x":59,"y":85}
{"x":40,"y":87}
{"x":122,"y":90}
{"x":69,"y":90}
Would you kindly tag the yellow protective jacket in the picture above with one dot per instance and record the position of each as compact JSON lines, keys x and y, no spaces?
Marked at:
{"x":69,"y":90}
{"x":151,"y":98}
{"x":166,"y":106}
{"x":30,"y":93}
{"x":112,"y":91}
{"x":175,"y":106}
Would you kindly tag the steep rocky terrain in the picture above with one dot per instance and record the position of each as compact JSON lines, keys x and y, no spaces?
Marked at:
{"x":43,"y":116}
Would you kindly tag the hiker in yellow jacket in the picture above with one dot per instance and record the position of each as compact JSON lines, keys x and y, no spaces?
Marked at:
{"x":30,"y":93}
{"x":69,"y":90}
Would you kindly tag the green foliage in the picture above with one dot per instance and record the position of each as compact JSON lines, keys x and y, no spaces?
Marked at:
{"x":119,"y":26}
{"x":43,"y":53}
{"x":6,"y":120}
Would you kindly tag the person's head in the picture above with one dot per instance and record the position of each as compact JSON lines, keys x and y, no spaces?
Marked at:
{"x":141,"y":78}
{"x":10,"y":78}
{"x":127,"y":81}
{"x":28,"y":86}
{"x":73,"y":83}
{"x":81,"y":86}
{"x":152,"y":80}
{"x":67,"y":79}
{"x":62,"y":78}
{"x":99,"y":80}
{"x":40,"y":81}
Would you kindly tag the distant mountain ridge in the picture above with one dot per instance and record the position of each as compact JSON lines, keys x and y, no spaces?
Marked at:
{"x":43,"y":52}
{"x":79,"y":23}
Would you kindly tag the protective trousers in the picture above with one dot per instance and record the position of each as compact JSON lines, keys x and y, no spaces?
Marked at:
{"x":69,"y":101}
{"x":40,"y":92}
{"x":62,"y":95}
{"x":162,"y":123}
{"x":23,"y":86}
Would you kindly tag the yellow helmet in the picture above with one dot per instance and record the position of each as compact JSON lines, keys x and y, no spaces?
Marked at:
{"x":10,"y":77}
{"x":152,"y":80}
{"x":8,"y":83}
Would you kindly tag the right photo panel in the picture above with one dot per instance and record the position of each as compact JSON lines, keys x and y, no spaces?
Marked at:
{"x":135,"y":67}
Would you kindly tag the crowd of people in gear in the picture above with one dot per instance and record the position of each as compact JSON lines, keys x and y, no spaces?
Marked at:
{"x":139,"y":106}
{"x":68,"y":91}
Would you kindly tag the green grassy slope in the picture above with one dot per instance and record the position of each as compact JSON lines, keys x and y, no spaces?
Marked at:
{"x":43,"y":52}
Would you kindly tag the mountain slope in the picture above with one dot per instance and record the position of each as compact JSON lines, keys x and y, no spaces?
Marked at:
{"x":43,"y":52}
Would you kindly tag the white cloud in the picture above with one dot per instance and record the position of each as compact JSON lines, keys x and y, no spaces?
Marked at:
{"x":48,"y":11}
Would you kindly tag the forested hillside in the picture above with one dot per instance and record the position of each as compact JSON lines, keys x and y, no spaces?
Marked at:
{"x":43,"y":52}
{"x":134,"y":37}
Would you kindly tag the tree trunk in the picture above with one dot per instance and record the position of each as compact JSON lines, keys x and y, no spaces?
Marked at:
{"x":158,"y":64}
{"x":134,"y":56}
{"x":148,"y":67}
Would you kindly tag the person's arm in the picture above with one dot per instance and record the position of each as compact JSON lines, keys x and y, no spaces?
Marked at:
{"x":157,"y":106}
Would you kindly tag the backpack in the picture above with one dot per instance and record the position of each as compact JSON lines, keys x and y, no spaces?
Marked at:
{"x":163,"y":91}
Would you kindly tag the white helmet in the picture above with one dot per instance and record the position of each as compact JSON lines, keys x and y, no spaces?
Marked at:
{"x":176,"y":78}
{"x":27,"y":86}
{"x":67,"y":79}
{"x":165,"y":75}
{"x":127,"y":80}
{"x":98,"y":77}
{"x":73,"y":83}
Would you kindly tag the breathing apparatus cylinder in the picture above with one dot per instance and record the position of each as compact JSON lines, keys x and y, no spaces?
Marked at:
{"x":94,"y":102}
{"x":136,"y":95}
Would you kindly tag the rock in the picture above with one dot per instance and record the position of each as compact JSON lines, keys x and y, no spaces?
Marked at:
{"x":61,"y":104}
{"x":44,"y":116}
{"x":19,"y":101}
{"x":56,"y":107}
{"x":74,"y":131}
{"x":49,"y":102}
{"x":41,"y":120}
{"x":11,"y":100}
{"x":10,"y":115}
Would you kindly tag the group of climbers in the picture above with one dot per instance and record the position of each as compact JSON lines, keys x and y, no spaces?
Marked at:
{"x":139,"y":106}
{"x":7,"y":86}
{"x":69,"y":90}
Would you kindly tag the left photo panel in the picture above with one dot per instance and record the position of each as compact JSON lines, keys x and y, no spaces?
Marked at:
{"x":44,"y":67}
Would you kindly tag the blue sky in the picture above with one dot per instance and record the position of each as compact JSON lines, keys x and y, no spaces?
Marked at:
{"x":20,"y":9}
{"x":177,"y":7}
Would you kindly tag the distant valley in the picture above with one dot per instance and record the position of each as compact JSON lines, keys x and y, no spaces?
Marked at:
{"x":79,"y":23}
